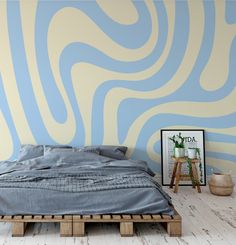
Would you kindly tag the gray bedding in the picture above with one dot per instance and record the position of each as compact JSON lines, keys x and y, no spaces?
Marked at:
{"x":79,"y":183}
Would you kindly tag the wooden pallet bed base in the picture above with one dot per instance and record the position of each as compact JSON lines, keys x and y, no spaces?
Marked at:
{"x":19,"y":222}
{"x":74,"y":225}
{"x":173,"y":224}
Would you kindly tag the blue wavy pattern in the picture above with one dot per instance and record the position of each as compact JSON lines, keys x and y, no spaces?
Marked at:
{"x":132,"y":108}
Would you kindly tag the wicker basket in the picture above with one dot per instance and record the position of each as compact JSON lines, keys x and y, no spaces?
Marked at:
{"x":221,"y":184}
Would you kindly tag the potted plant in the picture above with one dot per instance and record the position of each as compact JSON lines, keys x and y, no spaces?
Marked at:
{"x":192,"y":153}
{"x":178,"y":140}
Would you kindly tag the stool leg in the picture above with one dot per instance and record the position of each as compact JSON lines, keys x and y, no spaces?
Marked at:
{"x":196,"y":179}
{"x":191,"y":176}
{"x":173,"y":175}
{"x":179,"y":164}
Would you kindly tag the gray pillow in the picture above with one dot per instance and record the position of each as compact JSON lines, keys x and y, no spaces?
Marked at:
{"x":90,"y":150}
{"x":29,"y":151}
{"x":78,"y":157}
{"x":112,"y":151}
{"x":65,"y":148}
{"x":57,"y":148}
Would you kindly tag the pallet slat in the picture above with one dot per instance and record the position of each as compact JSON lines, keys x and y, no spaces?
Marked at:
{"x":27,"y":217}
{"x":156,"y":217}
{"x":96,"y":217}
{"x":86,"y":216}
{"x":171,"y":223}
{"x":126,"y":216}
{"x":136,"y":217}
{"x":17,"y":217}
{"x":106,"y":216}
{"x":57,"y":216}
{"x":75,"y":224}
{"x":116,"y":217}
{"x":77,"y":217}
{"x":176,"y":217}
{"x":38,"y":217}
{"x":67,"y":217}
{"x":147,"y":217}
{"x":7,"y":217}
{"x":47,"y":216}
{"x":166,"y":217}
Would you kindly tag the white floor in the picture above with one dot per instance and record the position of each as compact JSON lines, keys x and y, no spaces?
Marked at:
{"x":207,"y":219}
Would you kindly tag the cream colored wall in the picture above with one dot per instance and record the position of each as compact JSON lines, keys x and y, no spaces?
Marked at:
{"x":117,"y":86}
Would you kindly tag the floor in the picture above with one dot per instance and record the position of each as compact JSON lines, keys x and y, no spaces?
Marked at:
{"x":207,"y":219}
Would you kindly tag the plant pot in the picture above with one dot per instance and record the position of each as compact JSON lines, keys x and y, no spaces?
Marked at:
{"x":192,"y":153}
{"x":179,"y":152}
{"x":221,"y":184}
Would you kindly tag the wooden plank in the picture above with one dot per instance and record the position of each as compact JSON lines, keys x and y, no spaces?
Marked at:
{"x":196,"y":179}
{"x":126,"y":216}
{"x":75,"y":225}
{"x":67,"y":217}
{"x":86,"y":216}
{"x":126,"y":229}
{"x":77,"y":217}
{"x":192,"y":177}
{"x":7,"y":217}
{"x":178,"y":177}
{"x":17,"y":217}
{"x":173,"y":175}
{"x":146,"y":216}
{"x":38,"y":217}
{"x":166,"y":217}
{"x":116,"y":217}
{"x":47,"y":217}
{"x":156,"y":217}
{"x":106,"y":216}
{"x":66,"y":229}
{"x":78,"y":228}
{"x":27,"y":217}
{"x":18,"y":229}
{"x":58,"y":217}
{"x":174,"y":228}
{"x":176,"y":216}
{"x":136,"y":217}
{"x":96,"y":217}
{"x":195,"y":160}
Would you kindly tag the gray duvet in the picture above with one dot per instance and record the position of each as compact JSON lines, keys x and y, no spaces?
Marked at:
{"x":79,"y":183}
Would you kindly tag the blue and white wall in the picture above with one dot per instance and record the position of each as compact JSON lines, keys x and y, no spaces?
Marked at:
{"x":116,"y":72}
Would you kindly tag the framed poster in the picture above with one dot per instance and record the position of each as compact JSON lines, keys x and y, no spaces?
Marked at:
{"x":193,"y":138}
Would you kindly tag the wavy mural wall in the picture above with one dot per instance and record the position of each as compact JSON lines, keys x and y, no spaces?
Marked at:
{"x":116,"y":72}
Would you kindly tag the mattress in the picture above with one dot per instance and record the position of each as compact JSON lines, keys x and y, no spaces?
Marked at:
{"x":81,"y":183}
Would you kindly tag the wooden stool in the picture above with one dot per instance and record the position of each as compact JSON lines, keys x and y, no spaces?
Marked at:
{"x":193,"y":173}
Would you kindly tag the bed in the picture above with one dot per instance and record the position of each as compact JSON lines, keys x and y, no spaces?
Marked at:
{"x":63,"y":183}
